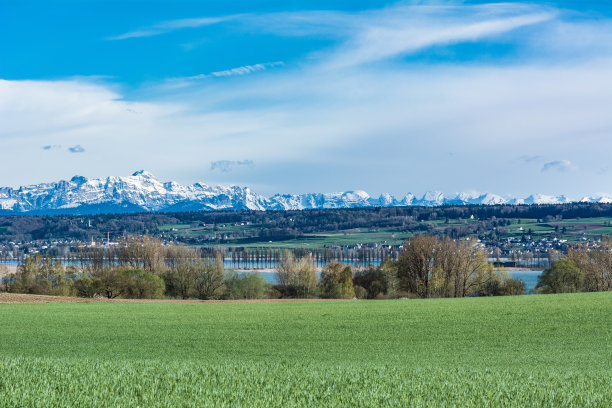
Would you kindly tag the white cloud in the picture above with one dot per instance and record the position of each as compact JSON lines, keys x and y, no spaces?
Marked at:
{"x":228,"y":165}
{"x":376,"y":127}
{"x":76,"y":149}
{"x":168,"y":26}
{"x":239,"y":71}
{"x":374,"y":35}
{"x":324,"y":132}
{"x":247,"y":69}
{"x":383,"y":41}
{"x":49,"y":147}
{"x":558,"y":165}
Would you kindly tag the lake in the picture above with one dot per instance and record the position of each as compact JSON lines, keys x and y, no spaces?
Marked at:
{"x":529,"y":278}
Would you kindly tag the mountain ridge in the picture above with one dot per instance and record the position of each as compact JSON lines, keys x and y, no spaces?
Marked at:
{"x":142,"y":192}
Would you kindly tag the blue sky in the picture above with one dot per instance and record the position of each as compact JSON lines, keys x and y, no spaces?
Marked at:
{"x":304,"y":96}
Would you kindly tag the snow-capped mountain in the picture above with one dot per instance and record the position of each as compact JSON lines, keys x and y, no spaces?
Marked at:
{"x":139,"y":192}
{"x":604,"y":199}
{"x":143,"y":192}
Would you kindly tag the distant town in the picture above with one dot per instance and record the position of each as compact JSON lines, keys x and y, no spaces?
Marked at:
{"x":510,"y":235}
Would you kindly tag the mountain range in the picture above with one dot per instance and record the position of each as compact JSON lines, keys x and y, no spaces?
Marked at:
{"x":142,"y":192}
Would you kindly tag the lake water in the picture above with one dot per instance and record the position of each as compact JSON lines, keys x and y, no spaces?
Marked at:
{"x":529,"y":278}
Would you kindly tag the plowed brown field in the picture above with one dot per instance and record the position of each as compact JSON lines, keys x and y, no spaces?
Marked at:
{"x":23,"y":298}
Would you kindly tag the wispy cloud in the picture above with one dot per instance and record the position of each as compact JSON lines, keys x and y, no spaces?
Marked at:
{"x":244,"y":70}
{"x":311,"y":129}
{"x":176,"y":83}
{"x":76,"y":149}
{"x":393,"y":38}
{"x":375,"y":35}
{"x":247,"y":69}
{"x":227,"y":165}
{"x":49,"y":147}
{"x":530,"y":159}
{"x":168,"y":26}
{"x":558,"y":165}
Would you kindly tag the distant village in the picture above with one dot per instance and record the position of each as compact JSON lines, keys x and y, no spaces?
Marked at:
{"x":522,"y":251}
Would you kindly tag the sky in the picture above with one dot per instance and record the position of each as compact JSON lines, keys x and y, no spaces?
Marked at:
{"x":511,"y":98}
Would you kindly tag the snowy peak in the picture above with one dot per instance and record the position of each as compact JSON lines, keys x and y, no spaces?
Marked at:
{"x":143,"y":174}
{"x":143,"y":192}
{"x":546,"y":199}
{"x":489,"y":199}
{"x":432,"y":198}
{"x":384,"y":200}
{"x":603,"y":199}
{"x":139,"y":192}
{"x":408,"y":200}
{"x":78,"y":180}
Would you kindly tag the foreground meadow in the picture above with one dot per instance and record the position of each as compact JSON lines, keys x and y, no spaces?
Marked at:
{"x":553,"y":350}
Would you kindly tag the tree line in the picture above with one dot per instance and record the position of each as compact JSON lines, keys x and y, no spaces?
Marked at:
{"x":427,"y":267}
{"x":278,"y":225}
{"x":582,"y":269}
{"x":142,"y":267}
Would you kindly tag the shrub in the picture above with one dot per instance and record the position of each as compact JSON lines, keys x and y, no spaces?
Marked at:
{"x":86,"y":286}
{"x":499,"y":284}
{"x":208,"y":279}
{"x":562,"y":277}
{"x":360,"y":292}
{"x":245,"y":286}
{"x":140,"y":284}
{"x":337,"y":281}
{"x":374,"y":281}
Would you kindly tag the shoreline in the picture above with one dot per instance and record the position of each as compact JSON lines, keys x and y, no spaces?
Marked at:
{"x":12,"y":298}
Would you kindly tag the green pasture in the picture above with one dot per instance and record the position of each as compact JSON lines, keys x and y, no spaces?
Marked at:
{"x":170,"y":227}
{"x":575,"y":229}
{"x":187,"y":230}
{"x":593,"y":220}
{"x":600,"y":231}
{"x":452,"y":221}
{"x":331,"y":239}
{"x":542,"y":350}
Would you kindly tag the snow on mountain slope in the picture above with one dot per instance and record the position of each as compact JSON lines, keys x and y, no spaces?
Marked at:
{"x":545,"y":199}
{"x":604,"y":199}
{"x":143,"y":192}
{"x":140,"y":191}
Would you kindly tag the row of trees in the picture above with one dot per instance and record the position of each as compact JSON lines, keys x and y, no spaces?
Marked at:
{"x":185,"y":280}
{"x":274,"y":225}
{"x":583,"y":269}
{"x":141,"y":267}
{"x":433,"y":267}
{"x":427,"y":267}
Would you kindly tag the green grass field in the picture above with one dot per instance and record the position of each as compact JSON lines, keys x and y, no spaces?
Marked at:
{"x":351,"y":237}
{"x":575,"y":229}
{"x":317,"y":240}
{"x":553,"y":350}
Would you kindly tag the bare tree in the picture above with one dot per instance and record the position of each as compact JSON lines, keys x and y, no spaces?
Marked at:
{"x":286,"y":268}
{"x":141,"y":252}
{"x":337,"y":281}
{"x":208,"y":278}
{"x":473,"y":272}
{"x":429,"y":267}
{"x":297,"y":278}
{"x":595,"y":263}
{"x":416,"y":264}
{"x":180,"y":254}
